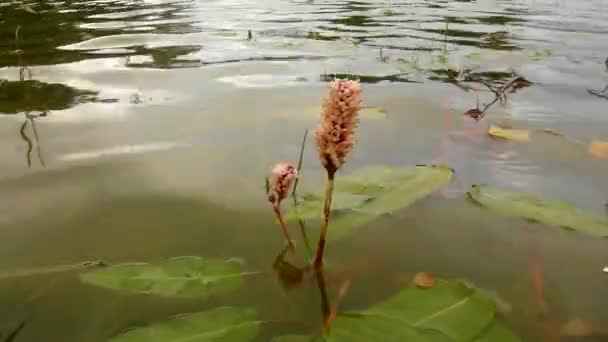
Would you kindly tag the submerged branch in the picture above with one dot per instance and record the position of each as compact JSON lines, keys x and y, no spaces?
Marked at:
{"x":27,"y":139}
{"x":38,"y":149}
{"x":13,"y":334}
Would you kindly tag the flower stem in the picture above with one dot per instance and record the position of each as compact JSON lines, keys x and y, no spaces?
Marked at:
{"x":329,"y":189}
{"x":325,"y":305}
{"x":277,"y":211}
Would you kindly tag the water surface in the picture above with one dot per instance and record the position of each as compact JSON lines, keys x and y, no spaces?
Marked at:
{"x":141,"y":130}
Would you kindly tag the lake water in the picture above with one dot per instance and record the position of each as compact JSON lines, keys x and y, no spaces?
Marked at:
{"x":138,"y":130}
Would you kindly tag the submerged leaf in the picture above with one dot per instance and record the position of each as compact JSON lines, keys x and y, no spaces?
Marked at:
{"x":370,"y":192}
{"x":424,"y":280}
{"x":599,"y":149}
{"x":577,"y":328}
{"x":497,"y":332}
{"x":449,"y":311}
{"x":217,"y":325}
{"x":192,"y":277}
{"x":509,"y":134}
{"x":560,"y":214}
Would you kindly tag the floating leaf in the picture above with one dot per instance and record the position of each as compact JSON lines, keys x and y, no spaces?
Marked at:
{"x":552,"y":132}
{"x":369,"y":192}
{"x":217,"y":325}
{"x":192,"y":277}
{"x":509,"y":134}
{"x":449,"y":311}
{"x":560,"y":214}
{"x":599,"y":149}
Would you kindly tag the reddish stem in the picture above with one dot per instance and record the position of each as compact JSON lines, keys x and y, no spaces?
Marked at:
{"x":277,"y":211}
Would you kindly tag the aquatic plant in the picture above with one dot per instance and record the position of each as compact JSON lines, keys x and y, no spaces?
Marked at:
{"x":277,"y":189}
{"x":335,"y":139}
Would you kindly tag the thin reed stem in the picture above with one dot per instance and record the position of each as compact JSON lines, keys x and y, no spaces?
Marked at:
{"x":329,"y":190}
{"x":305,"y":238}
{"x":300,"y":159}
{"x":277,"y":211}
{"x":295,"y":198}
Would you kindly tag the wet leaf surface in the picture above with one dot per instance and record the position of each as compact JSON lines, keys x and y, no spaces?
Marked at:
{"x":217,"y":325}
{"x":449,"y":311}
{"x":531,"y":207}
{"x":191,"y":277}
{"x":364,"y":195}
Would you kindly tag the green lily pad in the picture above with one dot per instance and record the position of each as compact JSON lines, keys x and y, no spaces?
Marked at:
{"x":560,"y":214}
{"x":449,"y":311}
{"x":217,"y":325}
{"x":191,"y":277}
{"x":370,"y":192}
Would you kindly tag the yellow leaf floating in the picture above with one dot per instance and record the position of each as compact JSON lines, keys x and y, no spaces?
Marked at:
{"x":373,"y":113}
{"x":509,"y":134}
{"x":599,"y":149}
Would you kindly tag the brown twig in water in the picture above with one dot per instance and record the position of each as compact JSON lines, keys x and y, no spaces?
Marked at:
{"x":28,"y":141}
{"x":277,"y":211}
{"x":535,"y":268}
{"x":38,"y":149}
{"x":13,"y":334}
{"x":334,"y":309}
{"x":500,"y":94}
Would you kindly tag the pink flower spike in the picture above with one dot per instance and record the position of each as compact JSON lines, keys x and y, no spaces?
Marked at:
{"x":281,"y":178}
{"x":335,"y":135}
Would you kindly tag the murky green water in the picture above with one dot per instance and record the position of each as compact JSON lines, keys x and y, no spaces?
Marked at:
{"x":140,"y":130}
